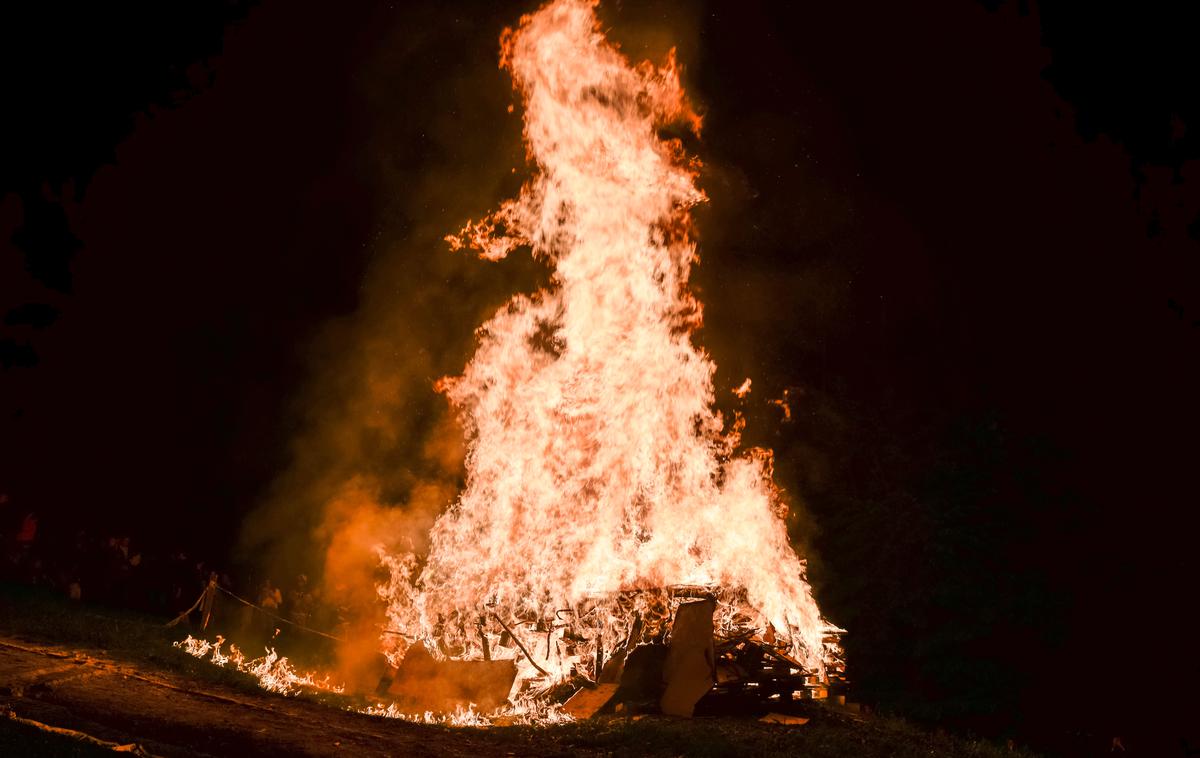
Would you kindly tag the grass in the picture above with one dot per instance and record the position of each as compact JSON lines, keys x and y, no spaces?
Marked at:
{"x":35,"y":614}
{"x":142,"y":640}
{"x":827,"y":734}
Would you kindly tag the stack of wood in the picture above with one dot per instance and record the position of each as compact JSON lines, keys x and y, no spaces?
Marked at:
{"x":752,"y":670}
{"x":697,"y":671}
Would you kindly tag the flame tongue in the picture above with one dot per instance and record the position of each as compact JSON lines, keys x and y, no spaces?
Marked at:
{"x":597,"y":463}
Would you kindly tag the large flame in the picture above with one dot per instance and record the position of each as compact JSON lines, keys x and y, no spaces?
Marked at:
{"x":597,"y":465}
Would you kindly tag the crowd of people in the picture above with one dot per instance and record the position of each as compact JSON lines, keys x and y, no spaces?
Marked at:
{"x":114,"y":570}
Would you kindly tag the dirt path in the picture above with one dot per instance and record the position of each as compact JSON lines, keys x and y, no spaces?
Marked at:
{"x":167,"y":715}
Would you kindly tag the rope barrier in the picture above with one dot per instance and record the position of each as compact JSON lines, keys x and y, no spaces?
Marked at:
{"x":206,"y":600}
{"x":188,"y":612}
{"x":243,"y":601}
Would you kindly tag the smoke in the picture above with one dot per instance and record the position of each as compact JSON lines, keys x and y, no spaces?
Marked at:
{"x":375,"y":459}
{"x":375,"y":453}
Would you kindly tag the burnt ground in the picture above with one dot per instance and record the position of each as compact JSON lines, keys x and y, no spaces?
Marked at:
{"x":115,"y":681}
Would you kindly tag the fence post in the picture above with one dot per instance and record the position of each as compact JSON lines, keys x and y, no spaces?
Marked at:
{"x":210,"y":597}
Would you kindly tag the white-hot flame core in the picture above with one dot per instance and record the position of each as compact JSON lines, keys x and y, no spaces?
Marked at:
{"x":597,"y":463}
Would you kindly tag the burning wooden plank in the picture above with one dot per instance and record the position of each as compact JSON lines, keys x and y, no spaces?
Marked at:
{"x":689,"y":671}
{"x":590,"y":700}
{"x":423,"y":683}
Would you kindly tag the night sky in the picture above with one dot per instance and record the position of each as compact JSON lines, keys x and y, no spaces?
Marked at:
{"x":961,"y":238}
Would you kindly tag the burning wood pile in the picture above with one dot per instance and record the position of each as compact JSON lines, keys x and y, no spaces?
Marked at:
{"x":598,"y":467}
{"x":681,"y":662}
{"x":680,"y":656}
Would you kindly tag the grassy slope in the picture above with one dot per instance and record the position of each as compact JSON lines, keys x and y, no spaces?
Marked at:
{"x":34,"y":614}
{"x":826,"y":735}
{"x":143,"y":641}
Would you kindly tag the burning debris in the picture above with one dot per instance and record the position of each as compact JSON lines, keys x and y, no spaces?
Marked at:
{"x":612,"y":547}
{"x":679,"y":658}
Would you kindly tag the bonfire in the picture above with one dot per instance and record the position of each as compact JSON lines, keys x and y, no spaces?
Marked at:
{"x":614,"y":544}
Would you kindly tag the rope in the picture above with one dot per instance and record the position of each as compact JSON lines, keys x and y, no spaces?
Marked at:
{"x":243,"y":601}
{"x":188,"y":612}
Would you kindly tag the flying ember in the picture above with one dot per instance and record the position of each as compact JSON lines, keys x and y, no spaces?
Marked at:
{"x":603,"y":489}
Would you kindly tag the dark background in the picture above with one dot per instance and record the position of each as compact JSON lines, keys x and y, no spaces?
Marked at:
{"x":959,"y":238}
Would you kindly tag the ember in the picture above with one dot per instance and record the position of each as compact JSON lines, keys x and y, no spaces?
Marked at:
{"x":609,"y":527}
